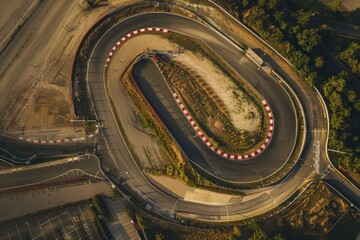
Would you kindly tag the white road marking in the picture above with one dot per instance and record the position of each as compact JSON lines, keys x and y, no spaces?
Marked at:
{"x":172,"y":210}
{"x":227,"y":213}
{"x":27,"y":223}
{"x":17,"y":227}
{"x":273,"y":199}
{"x":51,"y":225}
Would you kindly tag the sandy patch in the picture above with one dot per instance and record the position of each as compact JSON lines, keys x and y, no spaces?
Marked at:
{"x":173,"y":184}
{"x":190,"y":194}
{"x":242,"y":111}
{"x":207,"y":197}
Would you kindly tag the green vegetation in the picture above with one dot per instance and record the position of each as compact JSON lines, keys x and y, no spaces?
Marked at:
{"x":285,"y":25}
{"x":81,"y":101}
{"x":100,"y":207}
{"x":209,"y":111}
{"x":319,"y":213}
{"x":90,"y":127}
{"x":204,"y":104}
{"x":180,"y":167}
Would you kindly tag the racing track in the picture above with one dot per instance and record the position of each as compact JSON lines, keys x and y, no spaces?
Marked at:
{"x":276,"y":194}
{"x":284,"y":136}
{"x":150,"y":81}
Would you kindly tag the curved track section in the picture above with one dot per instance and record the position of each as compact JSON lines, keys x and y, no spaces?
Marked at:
{"x":283,"y":139}
{"x":191,"y":120}
{"x":260,"y":166}
{"x":219,"y":151}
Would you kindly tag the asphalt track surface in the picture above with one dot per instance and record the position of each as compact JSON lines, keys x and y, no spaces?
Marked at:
{"x":284,"y":136}
{"x":23,"y":177}
{"x":154,"y":88}
{"x":271,"y":196}
{"x":24,"y":150}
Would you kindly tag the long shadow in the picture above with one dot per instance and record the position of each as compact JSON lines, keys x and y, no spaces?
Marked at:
{"x":21,"y":151}
{"x":144,"y":72}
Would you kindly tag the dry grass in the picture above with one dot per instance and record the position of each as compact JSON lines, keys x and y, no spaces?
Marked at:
{"x":214,"y":116}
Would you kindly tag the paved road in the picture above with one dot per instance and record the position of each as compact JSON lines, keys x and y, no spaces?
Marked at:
{"x":342,"y":29}
{"x":24,"y":150}
{"x":42,"y":173}
{"x":313,"y":158}
{"x":12,"y":15}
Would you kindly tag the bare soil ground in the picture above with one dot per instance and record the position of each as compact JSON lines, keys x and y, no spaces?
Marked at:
{"x":126,"y":97}
{"x":216,"y":96}
{"x":36,"y":66}
{"x":233,"y":127}
{"x":242,"y":110}
{"x":192,"y":194}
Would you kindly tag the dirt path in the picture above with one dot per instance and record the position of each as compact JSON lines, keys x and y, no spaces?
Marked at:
{"x":36,"y":66}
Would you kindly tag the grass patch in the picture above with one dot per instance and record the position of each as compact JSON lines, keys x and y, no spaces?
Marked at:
{"x":180,"y":167}
{"x":101,"y":208}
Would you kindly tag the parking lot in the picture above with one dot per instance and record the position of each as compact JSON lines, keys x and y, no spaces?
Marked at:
{"x":74,"y":222}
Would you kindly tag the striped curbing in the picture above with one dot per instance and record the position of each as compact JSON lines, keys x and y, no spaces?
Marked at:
{"x":187,"y":114}
{"x":220,"y":152}
{"x":65,"y":140}
{"x":51,"y":141}
{"x":129,"y":35}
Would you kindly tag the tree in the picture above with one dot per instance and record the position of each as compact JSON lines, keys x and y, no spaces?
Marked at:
{"x":278,"y":237}
{"x":272,"y":4}
{"x":335,"y":5}
{"x":335,"y":101}
{"x":258,"y":233}
{"x":340,"y":85}
{"x":299,"y":59}
{"x":337,"y":122}
{"x":170,"y":170}
{"x":303,"y":17}
{"x":159,"y":236}
{"x":276,"y":34}
{"x":351,"y":56}
{"x":357,"y":105}
{"x":335,"y":83}
{"x":311,"y":78}
{"x":319,"y":61}
{"x":351,"y":96}
{"x":261,"y":3}
{"x":308,"y":39}
{"x":237,"y":232}
{"x":279,"y":16}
